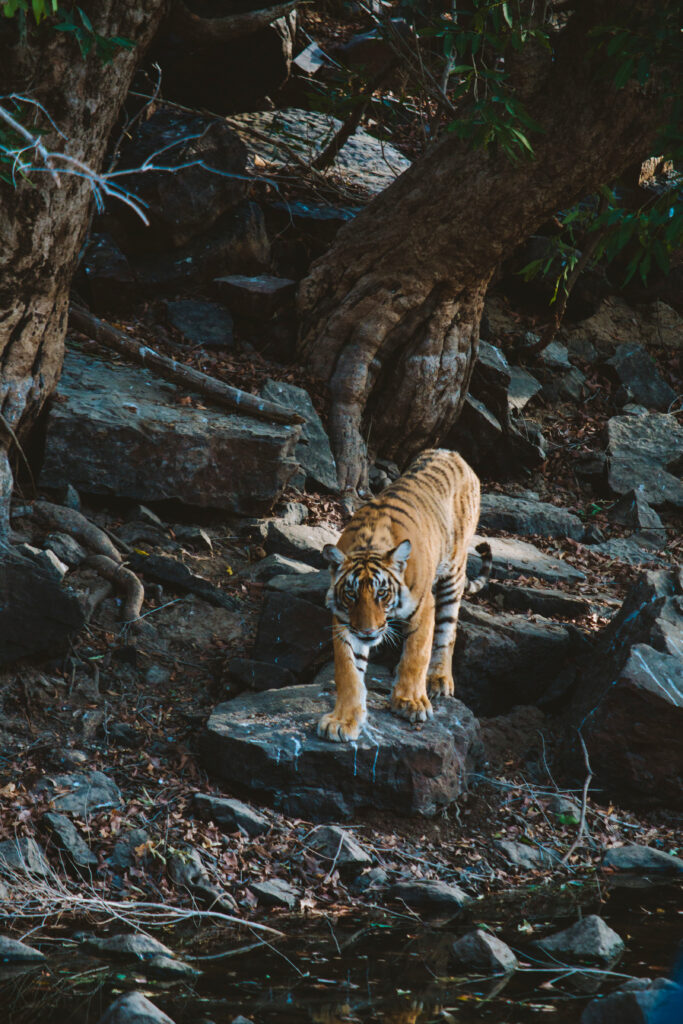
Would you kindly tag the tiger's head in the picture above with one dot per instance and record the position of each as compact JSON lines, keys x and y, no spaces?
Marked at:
{"x":367,"y":589}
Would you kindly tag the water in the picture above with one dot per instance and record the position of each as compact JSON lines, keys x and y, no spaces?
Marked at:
{"x":384,"y":969}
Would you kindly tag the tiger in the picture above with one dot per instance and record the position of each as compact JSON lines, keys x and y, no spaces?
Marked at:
{"x":401,"y":561}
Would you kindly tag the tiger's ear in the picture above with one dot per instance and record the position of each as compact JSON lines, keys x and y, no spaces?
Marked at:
{"x":333,"y":556}
{"x":400,"y":555}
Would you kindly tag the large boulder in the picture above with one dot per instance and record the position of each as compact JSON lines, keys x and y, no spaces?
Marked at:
{"x":636,"y":371}
{"x":313,"y":452}
{"x":628,"y":702}
{"x":525,"y":517}
{"x":644,"y":454}
{"x":206,"y":161}
{"x":116,"y":430}
{"x":38,"y":616}
{"x":267,"y":744}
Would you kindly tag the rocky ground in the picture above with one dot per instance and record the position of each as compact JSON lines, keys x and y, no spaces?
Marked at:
{"x":164,"y":769}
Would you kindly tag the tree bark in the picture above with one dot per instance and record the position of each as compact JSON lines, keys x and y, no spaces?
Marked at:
{"x":42,"y":221}
{"x":390,"y":314}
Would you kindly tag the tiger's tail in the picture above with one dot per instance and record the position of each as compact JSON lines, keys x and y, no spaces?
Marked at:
{"x":474,"y":586}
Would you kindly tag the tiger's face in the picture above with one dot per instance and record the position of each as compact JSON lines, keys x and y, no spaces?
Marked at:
{"x":367,"y":589}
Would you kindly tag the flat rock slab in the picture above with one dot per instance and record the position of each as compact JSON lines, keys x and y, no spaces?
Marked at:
{"x":118,"y":430}
{"x":276,"y":893}
{"x":519,"y":515}
{"x":130,"y":946}
{"x":23,"y":856}
{"x":363,"y":161}
{"x":82,"y":793}
{"x":230,"y":815}
{"x":430,"y":895}
{"x":644,"y":453}
{"x":313,"y":452}
{"x":513,"y":558}
{"x":69,"y":839}
{"x":267,"y":744}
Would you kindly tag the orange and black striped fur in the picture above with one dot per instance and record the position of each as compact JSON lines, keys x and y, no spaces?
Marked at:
{"x":402,"y":560}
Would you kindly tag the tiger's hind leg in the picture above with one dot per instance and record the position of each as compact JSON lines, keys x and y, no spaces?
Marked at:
{"x":448,"y":594}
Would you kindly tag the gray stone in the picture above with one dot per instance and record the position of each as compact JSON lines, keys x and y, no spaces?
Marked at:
{"x":363,"y":162}
{"x":339,"y":847}
{"x":517,"y":515}
{"x":642,"y":860}
{"x":38,"y":614}
{"x":294,"y":513}
{"x":631,"y":409}
{"x":554,"y":357}
{"x":276,"y":893}
{"x":82,"y":794}
{"x":309,"y":586}
{"x":268,"y":744}
{"x":127,"y":946}
{"x":293,"y":633}
{"x":430,"y":896}
{"x":134,"y":1008}
{"x":230,"y":815}
{"x":476,"y":434}
{"x":116,"y":430}
{"x":46,"y":561}
{"x":484,"y":952}
{"x":196,"y":536}
{"x":169,"y":969}
{"x":572,"y":385}
{"x":304,"y":543}
{"x":238,"y":241}
{"x":640,"y":450}
{"x":70,"y":840}
{"x":278,"y":565}
{"x":313,"y":452}
{"x":258,"y":298}
{"x":181,"y":205}
{"x":66,"y":548}
{"x":550,"y":603}
{"x":23,"y":856}
{"x":187,"y":870}
{"x":636,"y":550}
{"x":580,"y":349}
{"x":591,"y":469}
{"x":566,"y":810}
{"x":502,"y":660}
{"x":175,"y":575}
{"x":523,"y":387}
{"x":639,"y":1001}
{"x":588,"y":941}
{"x":634,"y":368}
{"x":14,"y":952}
{"x":633,"y":511}
{"x":123,"y":854}
{"x":202,"y":324}
{"x":527,"y":858}
{"x":260,"y":675}
{"x":374,"y":879}
{"x":513,"y":558}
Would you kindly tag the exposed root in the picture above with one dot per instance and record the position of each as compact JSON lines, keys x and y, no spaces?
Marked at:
{"x":125,"y":580}
{"x":76,"y":524}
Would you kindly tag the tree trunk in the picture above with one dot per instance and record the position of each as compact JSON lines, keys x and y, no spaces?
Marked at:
{"x":390,"y":315}
{"x":42,"y":221}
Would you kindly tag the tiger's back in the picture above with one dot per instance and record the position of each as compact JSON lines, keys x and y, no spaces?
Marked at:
{"x":402,"y":558}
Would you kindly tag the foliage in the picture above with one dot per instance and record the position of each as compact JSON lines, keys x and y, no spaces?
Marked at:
{"x":67,"y":18}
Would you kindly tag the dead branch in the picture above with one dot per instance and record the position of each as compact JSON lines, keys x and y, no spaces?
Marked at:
{"x":223,"y":394}
{"x":125,"y":580}
{"x":76,"y":524}
{"x":196,"y":29}
{"x":584,"y":799}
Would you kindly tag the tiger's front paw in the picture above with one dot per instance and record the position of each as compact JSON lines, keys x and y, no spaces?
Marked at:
{"x":341,"y":726}
{"x":415,"y":709}
{"x":438,"y":683}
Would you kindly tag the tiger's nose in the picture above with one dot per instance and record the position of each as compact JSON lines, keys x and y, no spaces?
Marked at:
{"x":368,"y":634}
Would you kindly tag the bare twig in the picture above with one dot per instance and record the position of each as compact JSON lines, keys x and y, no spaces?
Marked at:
{"x":225,"y":395}
{"x":584,"y":798}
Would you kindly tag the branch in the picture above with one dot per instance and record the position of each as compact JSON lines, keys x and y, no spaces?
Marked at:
{"x":195,"y":29}
{"x":584,"y":799}
{"x":223,"y":394}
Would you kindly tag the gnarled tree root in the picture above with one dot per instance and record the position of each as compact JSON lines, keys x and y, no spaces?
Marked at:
{"x":124,"y":580}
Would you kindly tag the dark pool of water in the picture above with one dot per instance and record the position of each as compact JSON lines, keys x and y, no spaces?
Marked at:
{"x":387,"y":969}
